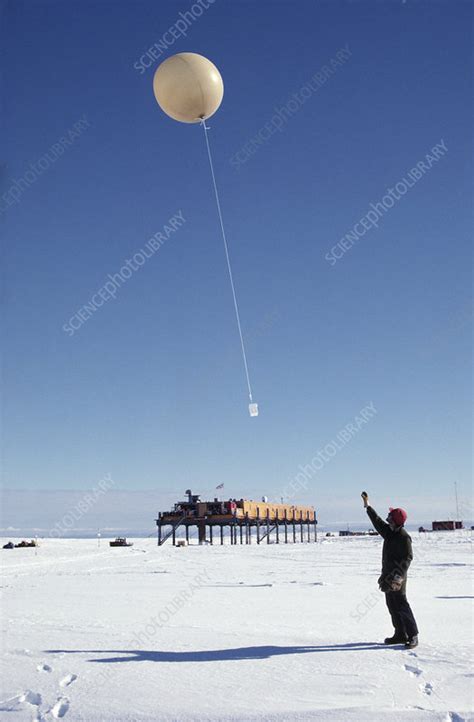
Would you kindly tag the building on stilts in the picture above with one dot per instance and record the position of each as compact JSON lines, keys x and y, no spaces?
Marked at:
{"x":241,"y":520}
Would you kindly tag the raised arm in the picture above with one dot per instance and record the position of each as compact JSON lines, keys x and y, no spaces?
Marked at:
{"x":381,"y":526}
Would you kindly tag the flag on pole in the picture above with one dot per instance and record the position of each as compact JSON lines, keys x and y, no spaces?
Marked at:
{"x":221,"y":486}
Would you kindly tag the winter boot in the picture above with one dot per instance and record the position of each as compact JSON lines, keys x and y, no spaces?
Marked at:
{"x":398,"y":638}
{"x":412,"y":642}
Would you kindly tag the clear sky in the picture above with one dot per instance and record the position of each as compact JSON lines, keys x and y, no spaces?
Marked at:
{"x":151,"y":387}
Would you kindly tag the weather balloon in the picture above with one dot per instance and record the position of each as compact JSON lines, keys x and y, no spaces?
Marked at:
{"x":189,"y":88}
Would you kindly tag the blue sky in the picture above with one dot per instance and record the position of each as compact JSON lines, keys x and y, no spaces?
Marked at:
{"x":151,"y":388}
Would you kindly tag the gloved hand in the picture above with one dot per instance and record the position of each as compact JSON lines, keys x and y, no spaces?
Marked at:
{"x":365,"y":498}
{"x":396,"y":583}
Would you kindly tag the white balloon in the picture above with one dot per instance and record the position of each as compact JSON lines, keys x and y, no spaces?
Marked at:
{"x":188,"y":87}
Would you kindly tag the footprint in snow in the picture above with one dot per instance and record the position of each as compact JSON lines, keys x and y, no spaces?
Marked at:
{"x":67,"y":680}
{"x":427,"y":688}
{"x":60,"y":708}
{"x":44,"y":668}
{"x":33,"y":698}
{"x":9,"y":705}
{"x":15,"y":703}
{"x":412,"y":671}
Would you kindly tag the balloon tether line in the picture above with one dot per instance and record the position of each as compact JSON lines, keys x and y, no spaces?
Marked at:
{"x":229,"y":267}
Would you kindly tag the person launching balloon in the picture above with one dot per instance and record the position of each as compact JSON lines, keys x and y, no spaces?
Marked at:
{"x":397,"y":555}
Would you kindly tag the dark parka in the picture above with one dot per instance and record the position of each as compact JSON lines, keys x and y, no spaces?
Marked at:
{"x":397,"y":552}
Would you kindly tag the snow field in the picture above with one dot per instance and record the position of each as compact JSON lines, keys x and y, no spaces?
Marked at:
{"x":269,"y":632}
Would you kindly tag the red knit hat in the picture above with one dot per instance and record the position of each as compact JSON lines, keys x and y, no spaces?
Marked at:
{"x":399,"y":516}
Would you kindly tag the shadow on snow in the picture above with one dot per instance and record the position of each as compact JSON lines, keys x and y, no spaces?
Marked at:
{"x":216,"y":655}
{"x":448,"y":597}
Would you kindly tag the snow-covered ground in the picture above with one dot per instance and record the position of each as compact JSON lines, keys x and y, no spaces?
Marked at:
{"x":287,"y":632}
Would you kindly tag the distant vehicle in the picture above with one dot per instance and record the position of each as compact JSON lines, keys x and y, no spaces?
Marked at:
{"x":347,"y":532}
{"x":447,"y":525}
{"x":10,"y":545}
{"x":24,"y":543}
{"x":121,"y":541}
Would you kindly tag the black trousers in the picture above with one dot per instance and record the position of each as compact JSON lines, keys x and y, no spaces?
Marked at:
{"x":400,"y":611}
